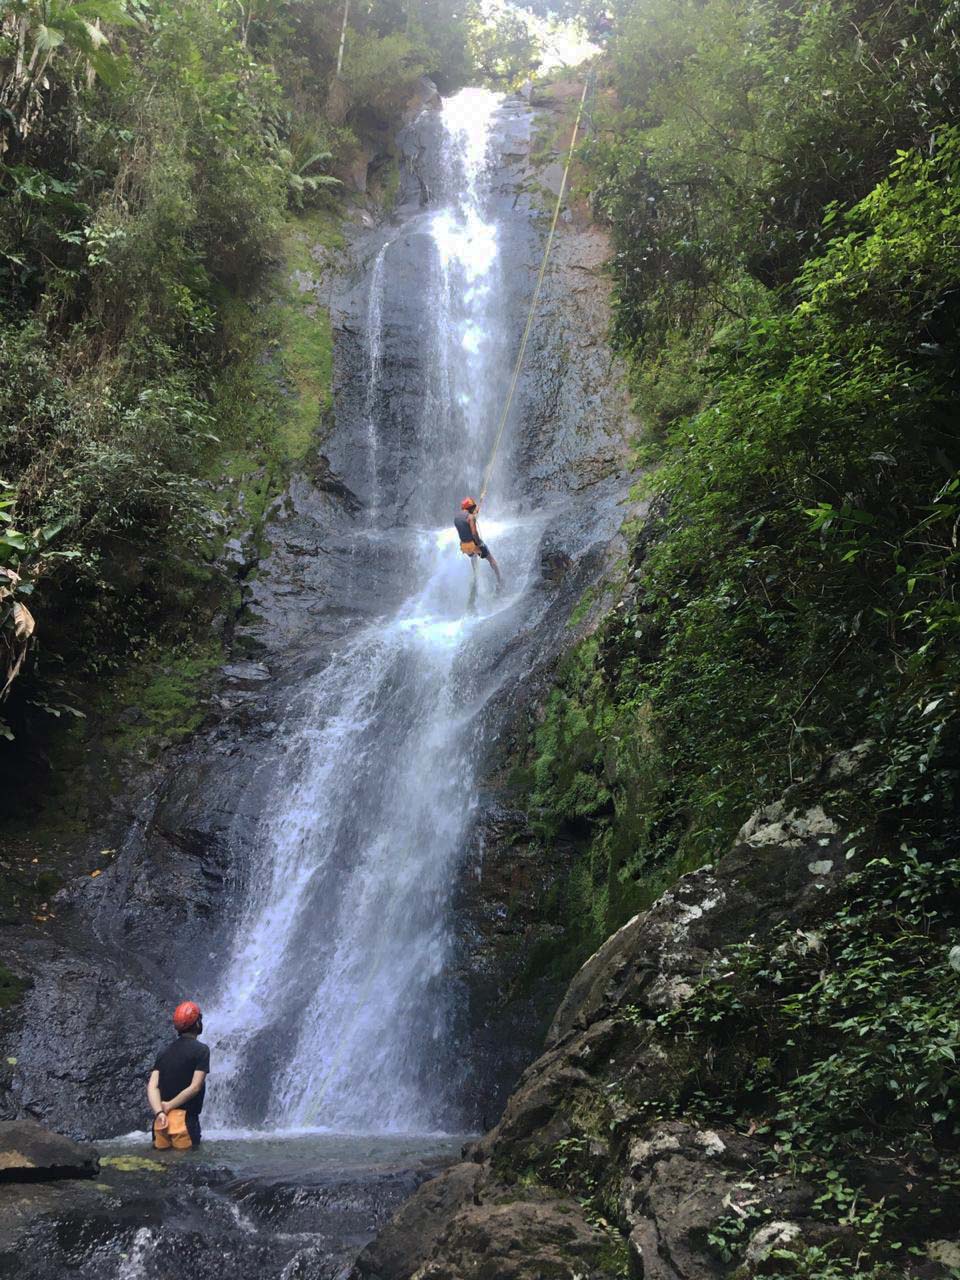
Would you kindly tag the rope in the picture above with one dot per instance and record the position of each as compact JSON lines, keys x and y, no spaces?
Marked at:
{"x":536,"y":295}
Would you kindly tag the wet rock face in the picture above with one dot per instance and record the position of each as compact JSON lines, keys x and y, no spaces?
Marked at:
{"x":505,"y":1011}
{"x":460,"y":1224}
{"x":571,"y":406}
{"x":65,"y":1011}
{"x":681,"y":1181}
{"x":151,"y":1218}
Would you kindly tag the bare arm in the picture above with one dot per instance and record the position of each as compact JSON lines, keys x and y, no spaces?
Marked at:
{"x":191,"y":1091}
{"x":153,"y":1097}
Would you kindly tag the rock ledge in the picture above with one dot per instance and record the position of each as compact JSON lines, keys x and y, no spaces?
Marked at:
{"x":30,"y":1153}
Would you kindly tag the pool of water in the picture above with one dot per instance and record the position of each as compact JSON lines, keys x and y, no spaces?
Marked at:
{"x":299,"y":1156}
{"x":242,"y":1206}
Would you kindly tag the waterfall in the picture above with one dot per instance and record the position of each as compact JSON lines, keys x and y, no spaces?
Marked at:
{"x":374,"y":361}
{"x":333,"y":1011}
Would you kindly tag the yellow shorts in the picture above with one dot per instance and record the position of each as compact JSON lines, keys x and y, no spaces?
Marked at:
{"x":175,"y":1134}
{"x":475,"y":549}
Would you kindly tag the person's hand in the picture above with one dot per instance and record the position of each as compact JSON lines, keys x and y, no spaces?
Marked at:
{"x":160,"y":1120}
{"x":166,"y":1109}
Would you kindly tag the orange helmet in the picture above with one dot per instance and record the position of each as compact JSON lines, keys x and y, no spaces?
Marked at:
{"x":467,"y":503}
{"x":185,"y":1015}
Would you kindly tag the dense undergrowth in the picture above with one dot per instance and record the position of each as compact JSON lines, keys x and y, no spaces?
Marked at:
{"x":781,"y":182}
{"x":158,"y":161}
{"x":793,"y":589}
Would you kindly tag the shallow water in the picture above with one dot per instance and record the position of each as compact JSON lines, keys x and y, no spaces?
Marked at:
{"x":288,"y":1206}
{"x":299,"y":1156}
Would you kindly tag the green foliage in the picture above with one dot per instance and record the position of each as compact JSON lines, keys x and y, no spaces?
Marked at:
{"x":856,"y":1021}
{"x":37,"y":38}
{"x":382,"y":72}
{"x":803,"y":587}
{"x":799,"y":592}
{"x":838,"y":1043}
{"x":110,"y":476}
{"x":787,"y":227}
{"x":818,"y":1263}
{"x":737,"y":123}
{"x":504,"y":47}
{"x":149,"y":155}
{"x":11,"y":988}
{"x":23,"y":557}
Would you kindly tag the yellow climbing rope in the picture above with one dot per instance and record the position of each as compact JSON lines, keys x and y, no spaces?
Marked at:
{"x":536,"y":295}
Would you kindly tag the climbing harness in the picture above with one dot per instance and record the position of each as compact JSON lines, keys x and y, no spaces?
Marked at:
{"x":536,"y":293}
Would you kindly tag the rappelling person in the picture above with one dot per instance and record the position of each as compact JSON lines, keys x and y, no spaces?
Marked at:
{"x":471,"y":544}
{"x":177,"y":1082}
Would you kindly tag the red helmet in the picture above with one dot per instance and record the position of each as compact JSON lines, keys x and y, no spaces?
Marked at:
{"x":185,"y":1015}
{"x":467,"y":503}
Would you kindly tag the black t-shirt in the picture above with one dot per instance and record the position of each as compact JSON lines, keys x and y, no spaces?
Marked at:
{"x":462,"y":525}
{"x":176,"y":1065}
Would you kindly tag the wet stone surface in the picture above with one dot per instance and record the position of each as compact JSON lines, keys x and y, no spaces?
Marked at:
{"x":301,"y":1209}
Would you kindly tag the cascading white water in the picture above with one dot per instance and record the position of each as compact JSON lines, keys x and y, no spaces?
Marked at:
{"x":334,"y":988}
{"x":374,"y":355}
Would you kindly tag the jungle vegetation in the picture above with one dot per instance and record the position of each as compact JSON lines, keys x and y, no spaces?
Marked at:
{"x":151,"y":153}
{"x":782,"y":185}
{"x":780,"y":182}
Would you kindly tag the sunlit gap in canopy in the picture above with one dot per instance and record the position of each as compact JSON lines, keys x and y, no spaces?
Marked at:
{"x":562,"y":44}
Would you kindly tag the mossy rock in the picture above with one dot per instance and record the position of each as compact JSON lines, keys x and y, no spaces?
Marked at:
{"x":132,"y":1164}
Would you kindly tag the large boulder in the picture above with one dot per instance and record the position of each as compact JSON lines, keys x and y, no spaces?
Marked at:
{"x":30,"y":1153}
{"x":586,"y":1173}
{"x":463,"y":1224}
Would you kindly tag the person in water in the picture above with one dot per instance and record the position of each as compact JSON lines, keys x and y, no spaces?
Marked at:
{"x":177,"y":1082}
{"x":471,"y":544}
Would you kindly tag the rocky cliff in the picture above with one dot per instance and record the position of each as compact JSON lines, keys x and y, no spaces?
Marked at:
{"x":626,"y":1150}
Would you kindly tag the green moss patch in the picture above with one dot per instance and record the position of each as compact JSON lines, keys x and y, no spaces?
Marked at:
{"x":276,"y":394}
{"x":167,"y":693}
{"x":305,"y":336}
{"x":132,"y":1164}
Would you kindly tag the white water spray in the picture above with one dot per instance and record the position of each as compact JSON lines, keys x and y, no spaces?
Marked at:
{"x":334,"y":997}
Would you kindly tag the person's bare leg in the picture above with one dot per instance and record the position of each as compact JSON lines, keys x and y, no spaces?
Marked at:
{"x":472,"y":598}
{"x":495,"y":567}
